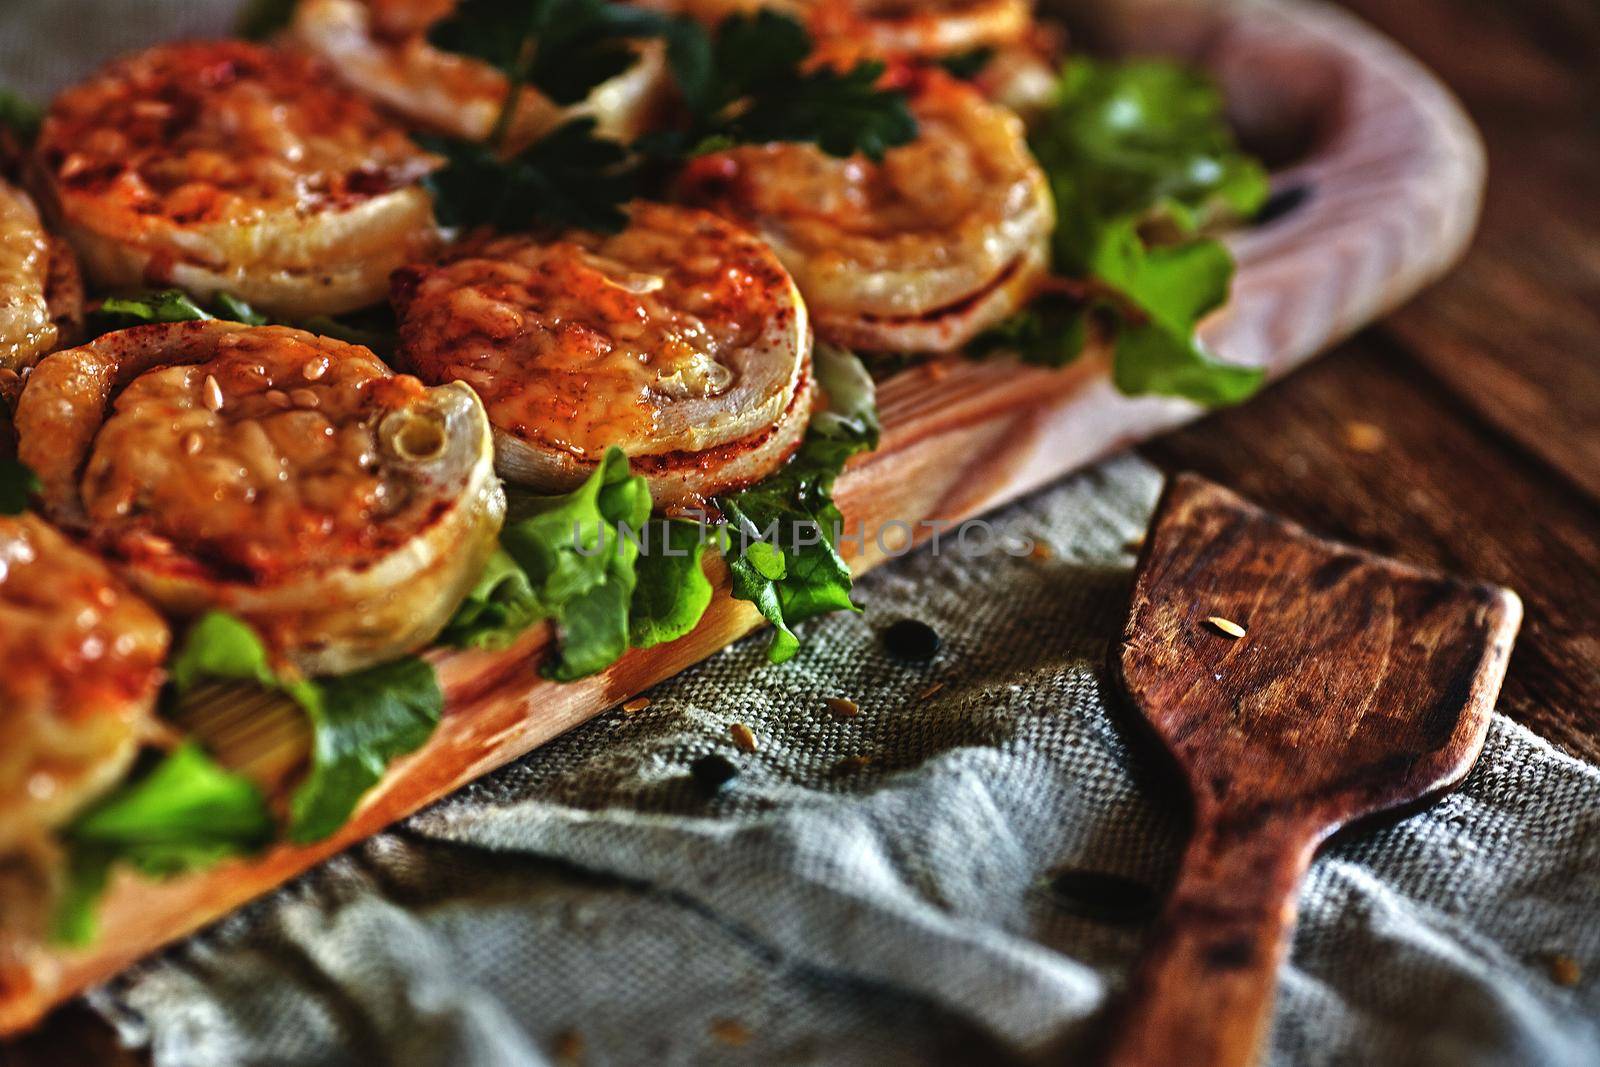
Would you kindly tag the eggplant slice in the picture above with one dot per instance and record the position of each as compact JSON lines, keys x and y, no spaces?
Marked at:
{"x":381,"y":48}
{"x":681,"y":340}
{"x":80,"y":664}
{"x":226,"y":166}
{"x":291,"y":479}
{"x":889,"y":28}
{"x":41,"y":294}
{"x":919,"y":253}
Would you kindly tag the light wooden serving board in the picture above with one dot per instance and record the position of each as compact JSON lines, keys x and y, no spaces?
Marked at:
{"x":1393,"y":172}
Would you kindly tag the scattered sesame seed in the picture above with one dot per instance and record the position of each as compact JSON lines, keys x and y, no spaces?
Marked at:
{"x":842,"y":707}
{"x":1364,"y":437}
{"x":1043,"y":550}
{"x":635,"y":706}
{"x":743,"y":737}
{"x":911,"y":641}
{"x":730,"y":1032}
{"x":930,"y":691}
{"x":568,"y":1047}
{"x":211,"y":393}
{"x":713,"y":773}
{"x":1564,"y":970}
{"x":1226,"y":626}
{"x":853,"y":763}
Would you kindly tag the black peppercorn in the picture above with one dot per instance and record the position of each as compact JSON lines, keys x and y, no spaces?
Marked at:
{"x":712,"y":774}
{"x":911,"y":641}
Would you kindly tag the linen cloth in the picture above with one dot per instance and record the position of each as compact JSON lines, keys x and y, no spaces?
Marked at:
{"x":589,"y":904}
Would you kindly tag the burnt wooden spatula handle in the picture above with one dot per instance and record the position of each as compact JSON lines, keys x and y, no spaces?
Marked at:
{"x":1202,"y":996}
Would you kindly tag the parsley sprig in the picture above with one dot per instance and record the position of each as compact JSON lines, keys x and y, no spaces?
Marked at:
{"x":747,"y":81}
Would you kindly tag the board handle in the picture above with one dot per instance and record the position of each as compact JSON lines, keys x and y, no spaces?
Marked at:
{"x":1203,"y":994}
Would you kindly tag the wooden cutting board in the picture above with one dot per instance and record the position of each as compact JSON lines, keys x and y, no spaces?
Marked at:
{"x":1380,"y":198}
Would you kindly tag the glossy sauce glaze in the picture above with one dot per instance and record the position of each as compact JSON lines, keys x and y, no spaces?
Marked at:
{"x":80,"y":663}
{"x":27,"y":327}
{"x":227,"y":165}
{"x":265,"y":470}
{"x":920,"y":252}
{"x":680,"y":334}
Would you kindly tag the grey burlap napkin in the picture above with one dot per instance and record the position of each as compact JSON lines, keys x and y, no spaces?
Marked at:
{"x":914,"y":910}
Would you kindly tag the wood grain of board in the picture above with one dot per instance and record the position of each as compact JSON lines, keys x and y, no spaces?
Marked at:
{"x":1393,"y":172}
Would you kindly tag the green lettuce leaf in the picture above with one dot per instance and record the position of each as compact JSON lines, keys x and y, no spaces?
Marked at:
{"x":359,"y":722}
{"x":501,"y":606}
{"x":184,"y":814}
{"x":18,"y":484}
{"x":783,"y":547}
{"x":581,"y":567}
{"x":171,"y":305}
{"x":1140,"y":158}
{"x":672,"y":591}
{"x":21,"y":116}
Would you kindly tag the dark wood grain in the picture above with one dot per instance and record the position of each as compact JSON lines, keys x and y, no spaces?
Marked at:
{"x":1300,"y":685}
{"x":1483,"y":395}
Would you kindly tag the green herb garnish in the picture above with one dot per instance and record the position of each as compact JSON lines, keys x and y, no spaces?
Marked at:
{"x":783,"y":554}
{"x":18,"y":484}
{"x":1132,"y":150}
{"x":184,"y":813}
{"x":359,"y":722}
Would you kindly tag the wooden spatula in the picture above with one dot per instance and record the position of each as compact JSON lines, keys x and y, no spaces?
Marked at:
{"x":1300,"y":685}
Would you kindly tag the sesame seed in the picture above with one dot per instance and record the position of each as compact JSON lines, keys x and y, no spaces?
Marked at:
{"x":842,"y":707}
{"x":930,"y":691}
{"x":211,"y":393}
{"x":853,"y":763}
{"x":743,"y":737}
{"x":730,"y":1032}
{"x":1564,"y":971}
{"x":192,"y":443}
{"x":1043,"y":550}
{"x":314,"y":369}
{"x":1225,"y":626}
{"x":304,"y":398}
{"x":1364,"y":437}
{"x":634,"y":707}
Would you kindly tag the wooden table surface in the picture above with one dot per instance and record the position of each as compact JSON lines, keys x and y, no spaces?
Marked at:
{"x":1461,"y":433}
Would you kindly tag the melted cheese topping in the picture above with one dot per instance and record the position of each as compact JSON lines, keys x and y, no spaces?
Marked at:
{"x":208,"y":132}
{"x":936,"y":222}
{"x":263,"y":460}
{"x":631,"y":339}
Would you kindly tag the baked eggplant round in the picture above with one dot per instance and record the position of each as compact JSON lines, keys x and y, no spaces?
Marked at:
{"x":294,"y":480}
{"x":918,"y":253}
{"x":681,"y":340}
{"x":41,"y":295}
{"x":227,"y":166}
{"x":80,"y":665}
